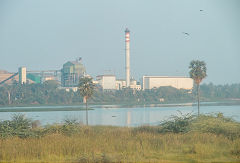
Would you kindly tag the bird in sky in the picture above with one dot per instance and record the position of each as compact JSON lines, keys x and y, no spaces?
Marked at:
{"x":201,"y":10}
{"x":186,"y":33}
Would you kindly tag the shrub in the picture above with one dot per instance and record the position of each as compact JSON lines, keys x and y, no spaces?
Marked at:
{"x":177,"y":124}
{"x":20,"y":123}
{"x":216,"y":124}
{"x":19,"y":126}
{"x":70,"y":127}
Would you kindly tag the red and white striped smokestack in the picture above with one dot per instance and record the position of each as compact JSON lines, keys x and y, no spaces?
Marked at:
{"x":127,"y":51}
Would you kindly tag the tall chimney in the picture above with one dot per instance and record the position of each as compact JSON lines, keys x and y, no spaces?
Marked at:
{"x":127,"y":51}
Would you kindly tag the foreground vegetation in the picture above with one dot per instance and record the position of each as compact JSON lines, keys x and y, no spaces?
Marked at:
{"x":208,"y":138}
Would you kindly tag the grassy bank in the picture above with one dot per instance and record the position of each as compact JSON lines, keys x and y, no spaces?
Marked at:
{"x":182,"y":139}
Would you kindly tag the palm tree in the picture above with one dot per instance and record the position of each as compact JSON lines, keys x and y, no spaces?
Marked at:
{"x":86,"y":88}
{"x":198,"y":72}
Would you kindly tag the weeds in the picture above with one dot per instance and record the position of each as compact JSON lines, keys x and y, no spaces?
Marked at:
{"x":208,"y":138}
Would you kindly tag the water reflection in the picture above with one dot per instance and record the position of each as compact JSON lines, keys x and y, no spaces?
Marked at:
{"x":124,"y":116}
{"x":128,"y":118}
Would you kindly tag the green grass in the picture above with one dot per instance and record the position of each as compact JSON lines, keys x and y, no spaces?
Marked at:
{"x":202,"y":139}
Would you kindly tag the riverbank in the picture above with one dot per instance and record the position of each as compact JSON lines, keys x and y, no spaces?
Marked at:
{"x":182,"y":139}
{"x":92,"y":106}
{"x":42,"y":109}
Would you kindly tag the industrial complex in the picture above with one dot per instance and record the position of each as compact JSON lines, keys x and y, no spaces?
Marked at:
{"x":72,"y":71}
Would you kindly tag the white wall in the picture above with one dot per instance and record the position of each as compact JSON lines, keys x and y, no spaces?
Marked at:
{"x":107,"y":81}
{"x":150,"y":82}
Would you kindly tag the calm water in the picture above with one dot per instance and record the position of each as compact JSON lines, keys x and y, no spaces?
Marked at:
{"x":110,"y":115}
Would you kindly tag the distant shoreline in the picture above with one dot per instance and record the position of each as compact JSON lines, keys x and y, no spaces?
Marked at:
{"x":81,"y":107}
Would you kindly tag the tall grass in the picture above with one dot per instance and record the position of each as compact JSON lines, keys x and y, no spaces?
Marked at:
{"x":72,"y":142}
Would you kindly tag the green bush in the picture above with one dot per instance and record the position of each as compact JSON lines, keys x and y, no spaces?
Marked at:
{"x":177,"y":124}
{"x":20,"y":123}
{"x":18,"y":126}
{"x":70,"y":127}
{"x":216,"y":124}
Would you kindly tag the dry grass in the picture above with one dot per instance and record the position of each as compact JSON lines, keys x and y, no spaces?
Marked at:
{"x":115,"y":144}
{"x":182,"y":139}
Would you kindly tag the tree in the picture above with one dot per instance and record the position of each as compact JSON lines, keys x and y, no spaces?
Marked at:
{"x":86,"y":88}
{"x":198,"y":72}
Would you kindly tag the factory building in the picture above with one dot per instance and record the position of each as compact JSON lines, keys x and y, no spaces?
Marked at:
{"x":107,"y":82}
{"x":72,"y":71}
{"x":43,"y":76}
{"x":135,"y":85}
{"x":34,"y":77}
{"x":150,"y":82}
{"x":120,"y":84}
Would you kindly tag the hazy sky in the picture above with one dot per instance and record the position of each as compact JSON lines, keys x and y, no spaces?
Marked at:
{"x":44,"y":34}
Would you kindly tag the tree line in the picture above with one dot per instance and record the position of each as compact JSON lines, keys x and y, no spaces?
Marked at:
{"x":49,"y":93}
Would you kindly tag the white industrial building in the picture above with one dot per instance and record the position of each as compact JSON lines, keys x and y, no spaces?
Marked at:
{"x":120,"y":83}
{"x":107,"y":82}
{"x":150,"y":82}
{"x":134,"y":85}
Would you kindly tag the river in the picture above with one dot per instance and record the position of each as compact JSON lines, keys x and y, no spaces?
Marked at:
{"x":121,"y":116}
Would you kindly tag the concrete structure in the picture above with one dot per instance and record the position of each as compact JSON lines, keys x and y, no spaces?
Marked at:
{"x":72,"y":71}
{"x":127,"y":51}
{"x":107,"y":82}
{"x":150,"y":82}
{"x":44,"y":75}
{"x":120,"y":84}
{"x":135,"y":85}
{"x":22,"y":71}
